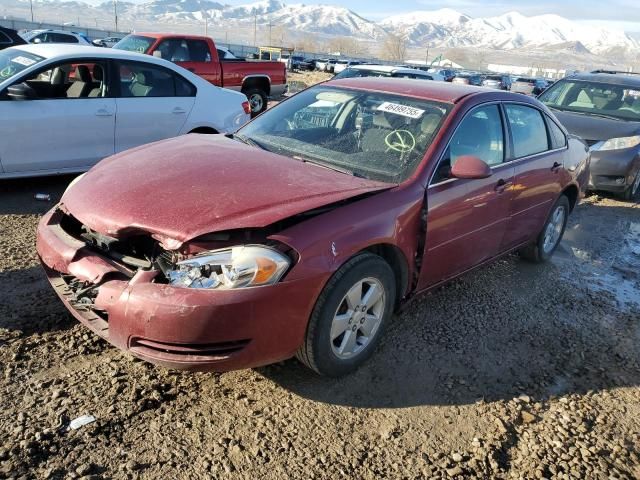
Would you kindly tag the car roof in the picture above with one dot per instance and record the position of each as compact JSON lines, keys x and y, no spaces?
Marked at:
{"x":52,"y":51}
{"x":623,"y":79}
{"x":169,"y":35}
{"x":52,"y":30}
{"x":436,"y":91}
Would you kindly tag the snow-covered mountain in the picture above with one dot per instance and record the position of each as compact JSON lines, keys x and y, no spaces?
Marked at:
{"x":440,"y":28}
{"x":512,"y":30}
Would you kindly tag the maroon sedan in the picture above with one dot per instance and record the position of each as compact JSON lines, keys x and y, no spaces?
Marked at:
{"x":302,"y":233}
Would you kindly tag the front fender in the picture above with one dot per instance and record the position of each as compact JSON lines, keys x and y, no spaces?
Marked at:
{"x":329,"y":240}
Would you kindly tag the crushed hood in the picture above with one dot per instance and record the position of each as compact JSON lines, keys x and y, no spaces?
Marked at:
{"x":182,"y":188}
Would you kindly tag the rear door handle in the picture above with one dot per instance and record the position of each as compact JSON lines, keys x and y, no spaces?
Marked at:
{"x":556,"y":166}
{"x":178,"y":110}
{"x":502,"y":185}
{"x":103,"y":112}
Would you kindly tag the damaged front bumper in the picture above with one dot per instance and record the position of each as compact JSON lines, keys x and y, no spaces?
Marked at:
{"x":182,"y":328}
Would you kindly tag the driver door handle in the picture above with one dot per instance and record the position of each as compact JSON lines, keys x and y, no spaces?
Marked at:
{"x":103,"y":112}
{"x":178,"y":110}
{"x":502,"y":185}
{"x":556,"y":166}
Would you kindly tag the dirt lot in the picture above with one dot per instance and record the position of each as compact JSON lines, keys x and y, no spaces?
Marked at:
{"x":513,"y":371}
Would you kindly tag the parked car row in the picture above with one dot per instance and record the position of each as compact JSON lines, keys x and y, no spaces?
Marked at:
{"x":385,"y":71}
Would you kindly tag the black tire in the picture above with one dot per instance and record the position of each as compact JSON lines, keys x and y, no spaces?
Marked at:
{"x":632,"y":193}
{"x":317,"y":351}
{"x":257,"y":100}
{"x":536,"y":252}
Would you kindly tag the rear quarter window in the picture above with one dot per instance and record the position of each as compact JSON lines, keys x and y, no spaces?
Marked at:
{"x":556,"y":135}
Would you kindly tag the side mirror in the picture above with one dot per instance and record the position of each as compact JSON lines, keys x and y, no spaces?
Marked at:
{"x":157,"y":54}
{"x":21,"y":91}
{"x":469,"y":166}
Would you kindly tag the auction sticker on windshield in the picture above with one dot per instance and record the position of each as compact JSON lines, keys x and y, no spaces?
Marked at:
{"x":403,"y":110}
{"x":27,"y":62}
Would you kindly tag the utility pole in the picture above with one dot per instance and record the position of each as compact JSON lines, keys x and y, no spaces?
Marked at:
{"x":270,"y":25}
{"x":31,"y":6}
{"x":115,"y":13}
{"x":427,"y":59}
{"x":255,"y":28}
{"x":205,"y":17}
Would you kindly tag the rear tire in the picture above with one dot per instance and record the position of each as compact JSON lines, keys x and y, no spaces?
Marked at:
{"x":257,"y":100}
{"x":349,"y":317}
{"x":549,"y":238}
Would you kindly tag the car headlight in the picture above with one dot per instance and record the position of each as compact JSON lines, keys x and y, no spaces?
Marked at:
{"x":235,"y":267}
{"x":73,"y":182}
{"x":620,"y":143}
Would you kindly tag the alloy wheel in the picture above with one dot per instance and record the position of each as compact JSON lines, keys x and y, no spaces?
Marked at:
{"x":256,"y":103}
{"x":357,"y":318}
{"x":553,"y":232}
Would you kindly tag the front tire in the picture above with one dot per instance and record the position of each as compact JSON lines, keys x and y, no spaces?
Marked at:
{"x":348,"y":319}
{"x":551,"y":234}
{"x":631,"y":193}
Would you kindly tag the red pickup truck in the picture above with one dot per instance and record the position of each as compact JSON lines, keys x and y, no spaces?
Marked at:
{"x":258,"y":80}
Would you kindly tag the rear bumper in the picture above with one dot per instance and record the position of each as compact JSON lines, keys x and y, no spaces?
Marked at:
{"x":279,"y":90}
{"x":187,"y":329}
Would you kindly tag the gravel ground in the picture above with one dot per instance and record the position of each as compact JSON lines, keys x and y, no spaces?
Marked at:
{"x":512,"y":371}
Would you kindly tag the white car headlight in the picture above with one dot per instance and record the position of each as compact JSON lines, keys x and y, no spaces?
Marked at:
{"x":235,"y":267}
{"x":620,"y":143}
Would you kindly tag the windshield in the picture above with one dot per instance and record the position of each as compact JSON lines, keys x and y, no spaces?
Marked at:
{"x":358,"y":72}
{"x":371,"y":135}
{"x":13,"y":61}
{"x":135,"y":43}
{"x":617,"y":101}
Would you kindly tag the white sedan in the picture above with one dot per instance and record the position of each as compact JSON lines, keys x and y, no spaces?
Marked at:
{"x":63,"y":108}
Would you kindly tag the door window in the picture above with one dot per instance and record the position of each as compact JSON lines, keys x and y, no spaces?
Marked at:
{"x":528,"y":130}
{"x":69,"y":81}
{"x":146,"y":80}
{"x":62,"y":38}
{"x":479,"y":134}
{"x":185,"y":50}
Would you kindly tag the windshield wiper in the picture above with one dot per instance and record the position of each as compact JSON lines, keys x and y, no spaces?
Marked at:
{"x":246,"y":140}
{"x":579,"y":112}
{"x":327,"y":166}
{"x":604,"y":115}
